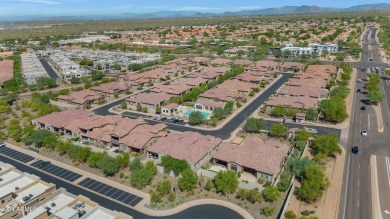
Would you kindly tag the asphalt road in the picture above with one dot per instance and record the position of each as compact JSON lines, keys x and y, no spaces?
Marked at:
{"x":356,"y":197}
{"x":48,"y":69}
{"x":233,"y":124}
{"x":202,"y":211}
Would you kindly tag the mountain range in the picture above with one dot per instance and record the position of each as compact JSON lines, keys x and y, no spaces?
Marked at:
{"x":304,"y":9}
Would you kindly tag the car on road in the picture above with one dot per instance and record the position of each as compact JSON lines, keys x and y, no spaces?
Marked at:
{"x":355,"y":149}
{"x":363,"y":108}
{"x":371,"y":59}
{"x":359,"y":80}
{"x":310,"y":130}
{"x":358,"y":90}
{"x":180,"y":122}
{"x":163,"y":119}
{"x":364,"y":132}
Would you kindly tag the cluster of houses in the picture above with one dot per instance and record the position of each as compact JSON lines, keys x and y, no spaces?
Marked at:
{"x":24,"y":195}
{"x":32,"y":68}
{"x":94,"y":95}
{"x":311,"y":48}
{"x":304,"y":90}
{"x":67,"y":68}
{"x":6,"y":71}
{"x":261,"y":158}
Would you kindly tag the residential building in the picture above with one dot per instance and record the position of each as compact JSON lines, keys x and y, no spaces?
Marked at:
{"x":149,"y":101}
{"x":32,"y":68}
{"x":82,"y":98}
{"x":256,"y":156}
{"x":301,"y":103}
{"x":67,"y":68}
{"x":193,"y":147}
{"x":110,"y":89}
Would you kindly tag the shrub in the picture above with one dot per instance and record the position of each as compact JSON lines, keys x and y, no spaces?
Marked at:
{"x":305,"y":213}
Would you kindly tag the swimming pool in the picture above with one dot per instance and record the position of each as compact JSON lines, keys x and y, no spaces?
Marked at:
{"x":204,"y":114}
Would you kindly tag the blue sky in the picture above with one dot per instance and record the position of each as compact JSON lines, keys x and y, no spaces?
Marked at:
{"x":112,"y":7}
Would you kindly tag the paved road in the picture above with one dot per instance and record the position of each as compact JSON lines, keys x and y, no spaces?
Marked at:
{"x":48,"y":69}
{"x":233,"y":124}
{"x":202,"y":211}
{"x":356,"y":199}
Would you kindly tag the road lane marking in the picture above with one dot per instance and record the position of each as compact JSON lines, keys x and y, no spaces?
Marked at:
{"x":376,"y":209}
{"x":359,"y":181}
{"x":369,"y":122}
{"x":358,"y":202}
{"x":346,"y":186}
{"x":388,"y":169}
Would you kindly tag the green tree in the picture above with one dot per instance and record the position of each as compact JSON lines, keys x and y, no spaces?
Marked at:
{"x":135,"y":164}
{"x":334,"y":109}
{"x":302,"y":135}
{"x":254,"y":125}
{"x":37,"y":137}
{"x":278,"y":130}
{"x":188,"y":180}
{"x":226,"y":182}
{"x":340,"y":91}
{"x":326,"y":144}
{"x":311,"y":114}
{"x":123,"y":105}
{"x":14,"y":128}
{"x":375,"y":97}
{"x":279,"y":111}
{"x":271,"y":193}
{"x":175,"y":165}
{"x":108,"y":165}
{"x":290,"y":215}
{"x":164,"y":187}
{"x":122,"y":160}
{"x":297,"y":166}
{"x":93,"y":159}
{"x":75,"y":81}
{"x":313,"y":184}
{"x":142,"y":177}
{"x":195,"y":118}
{"x":268,"y":211}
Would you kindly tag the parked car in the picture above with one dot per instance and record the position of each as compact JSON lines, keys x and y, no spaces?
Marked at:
{"x":355,"y":149}
{"x":159,"y":118}
{"x":170,"y":120}
{"x":2,"y":145}
{"x":310,"y":130}
{"x":43,"y":164}
{"x":180,"y":122}
{"x":163,"y":119}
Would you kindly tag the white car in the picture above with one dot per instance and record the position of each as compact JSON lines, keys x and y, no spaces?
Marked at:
{"x":2,"y":145}
{"x":364,"y":133}
{"x":310,"y":130}
{"x":359,"y":80}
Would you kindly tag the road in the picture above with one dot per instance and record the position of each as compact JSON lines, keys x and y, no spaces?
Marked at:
{"x":356,"y":198}
{"x":48,"y":69}
{"x":202,"y":211}
{"x":233,"y":124}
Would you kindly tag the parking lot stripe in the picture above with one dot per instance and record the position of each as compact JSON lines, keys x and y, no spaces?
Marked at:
{"x":135,"y":201}
{"x":86,"y":185}
{"x":74,"y":177}
{"x":56,"y":171}
{"x":82,"y":183}
{"x":108,"y":190}
{"x":48,"y":167}
{"x":64,"y":173}
{"x":125,"y":197}
{"x":124,"y":194}
{"x":97,"y":188}
{"x":112,"y":191}
{"x":52,"y":170}
{"x":68,"y":175}
{"x":120,"y":192}
{"x":61,"y":172}
{"x":93,"y":185}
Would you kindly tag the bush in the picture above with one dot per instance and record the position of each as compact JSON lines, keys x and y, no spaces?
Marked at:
{"x":195,"y":118}
{"x":290,"y":215}
{"x":305,"y":213}
{"x":271,"y":193}
{"x":268,"y":211}
{"x":254,"y":125}
{"x":279,"y":111}
{"x":278,"y":130}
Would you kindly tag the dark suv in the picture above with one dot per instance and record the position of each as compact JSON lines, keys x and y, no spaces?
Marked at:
{"x":355,"y":150}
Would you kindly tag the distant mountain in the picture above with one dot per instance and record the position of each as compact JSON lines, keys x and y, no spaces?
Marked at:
{"x":304,"y":9}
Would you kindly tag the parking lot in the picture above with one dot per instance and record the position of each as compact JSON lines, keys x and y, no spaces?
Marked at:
{"x":109,"y":191}
{"x":24,"y":158}
{"x":56,"y":170}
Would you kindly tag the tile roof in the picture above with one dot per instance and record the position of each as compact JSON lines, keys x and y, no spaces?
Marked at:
{"x":267,"y":64}
{"x":293,"y":65}
{"x":110,"y":88}
{"x":149,"y":98}
{"x":142,"y":135}
{"x":322,"y":68}
{"x":221,"y":94}
{"x":189,"y":146}
{"x":220,"y":61}
{"x":312,"y":82}
{"x":304,"y":102}
{"x":61,"y":119}
{"x":177,"y":89}
{"x":262,"y":155}
{"x":81,"y":97}
{"x":236,"y":85}
{"x":300,"y":91}
{"x":195,"y":81}
{"x":211,"y":103}
{"x":6,"y":70}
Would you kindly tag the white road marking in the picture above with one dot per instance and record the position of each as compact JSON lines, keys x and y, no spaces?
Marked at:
{"x":358,"y":202}
{"x":346,"y":187}
{"x":369,"y":122}
{"x":388,"y":169}
{"x":359,"y":182}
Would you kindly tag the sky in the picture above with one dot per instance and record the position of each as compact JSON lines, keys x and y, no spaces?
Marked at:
{"x":114,"y":7}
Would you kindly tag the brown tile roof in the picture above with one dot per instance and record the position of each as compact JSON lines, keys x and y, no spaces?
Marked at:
{"x":322,"y":68}
{"x":200,"y":59}
{"x":196,"y":81}
{"x":81,"y":97}
{"x":110,"y":88}
{"x":256,"y":153}
{"x":295,"y":102}
{"x":312,"y":82}
{"x":267,"y":64}
{"x":149,"y":98}
{"x":236,"y":85}
{"x":171,"y":89}
{"x":211,"y":103}
{"x":148,"y":75}
{"x":6,"y":70}
{"x":308,"y":75}
{"x":221,"y":94}
{"x":189,"y":146}
{"x":61,"y":119}
{"x":100,"y":122}
{"x":171,"y":106}
{"x":220,"y":61}
{"x":293,"y":65}
{"x":140,"y":136}
{"x":243,"y":62}
{"x":300,"y":91}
